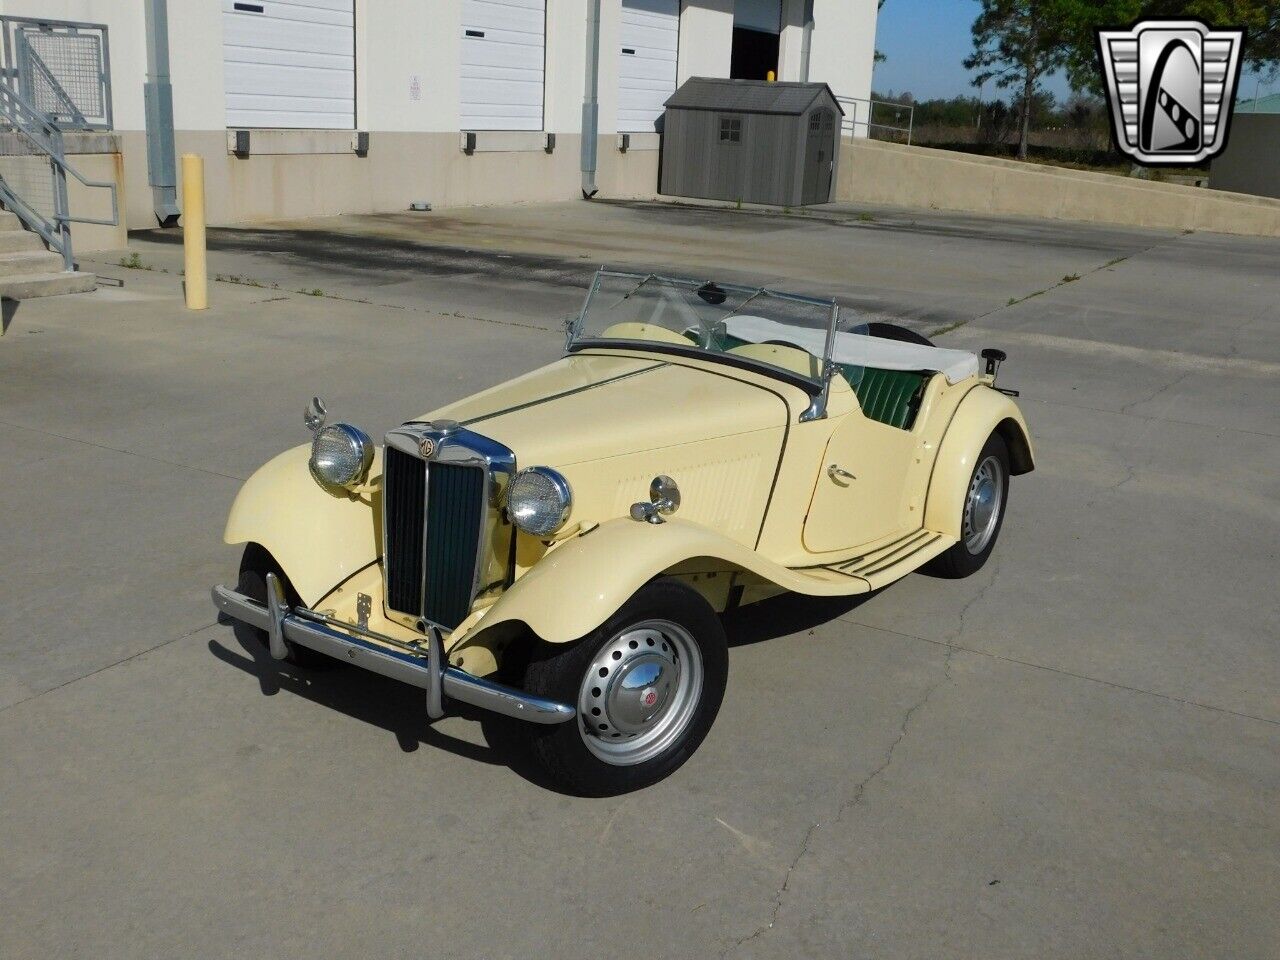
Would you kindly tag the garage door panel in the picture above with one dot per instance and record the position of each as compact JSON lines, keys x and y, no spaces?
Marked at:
{"x":291,"y":112}
{"x":266,"y":35}
{"x":297,"y":58}
{"x":253,"y":78}
{"x":650,"y":39}
{"x":503,"y":64}
{"x":492,"y":96}
{"x":293,"y":65}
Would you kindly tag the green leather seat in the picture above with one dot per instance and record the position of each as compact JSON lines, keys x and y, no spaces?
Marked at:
{"x":889,"y":396}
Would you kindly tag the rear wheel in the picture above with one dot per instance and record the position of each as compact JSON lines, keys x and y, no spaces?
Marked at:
{"x":981,"y":516}
{"x":255,"y":564}
{"x":647,"y":686}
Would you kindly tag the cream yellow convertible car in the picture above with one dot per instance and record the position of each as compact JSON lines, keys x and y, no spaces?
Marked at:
{"x":558,"y":548}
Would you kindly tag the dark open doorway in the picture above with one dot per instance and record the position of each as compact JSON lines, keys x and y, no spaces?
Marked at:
{"x":754,"y":54}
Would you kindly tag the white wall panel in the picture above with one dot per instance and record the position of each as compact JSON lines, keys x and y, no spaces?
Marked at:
{"x":289,"y":63}
{"x":650,"y":42}
{"x":503,"y":64}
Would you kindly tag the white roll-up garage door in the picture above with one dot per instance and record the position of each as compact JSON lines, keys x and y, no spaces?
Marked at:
{"x":503,"y":51}
{"x":289,"y":63}
{"x":650,"y":33}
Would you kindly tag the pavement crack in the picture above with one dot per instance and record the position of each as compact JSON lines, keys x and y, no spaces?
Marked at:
{"x":777,"y":897}
{"x":1031,"y":664}
{"x":1068,"y":278}
{"x":1163,"y":390}
{"x":856,"y":795}
{"x":127,"y":453}
{"x":109,"y":666}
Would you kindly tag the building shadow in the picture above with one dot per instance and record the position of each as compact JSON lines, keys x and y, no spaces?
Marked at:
{"x":8,"y":310}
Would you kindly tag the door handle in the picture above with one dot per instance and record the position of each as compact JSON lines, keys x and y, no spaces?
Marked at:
{"x":836,"y":472}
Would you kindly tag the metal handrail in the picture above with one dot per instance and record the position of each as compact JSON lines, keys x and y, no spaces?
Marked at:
{"x":43,"y":133}
{"x":852,"y":124}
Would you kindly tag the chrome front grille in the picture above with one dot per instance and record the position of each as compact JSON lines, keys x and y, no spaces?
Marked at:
{"x":445,"y":538}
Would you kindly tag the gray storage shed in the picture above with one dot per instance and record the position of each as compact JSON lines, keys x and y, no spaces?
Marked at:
{"x":751,"y":140}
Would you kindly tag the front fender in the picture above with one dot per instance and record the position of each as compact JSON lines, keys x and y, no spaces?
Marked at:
{"x":578,"y":585}
{"x":982,"y":412}
{"x":319,"y":538}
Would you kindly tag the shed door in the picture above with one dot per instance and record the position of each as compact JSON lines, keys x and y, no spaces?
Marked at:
{"x":503,"y":52}
{"x":289,"y":63}
{"x":650,"y":35}
{"x":820,"y":151}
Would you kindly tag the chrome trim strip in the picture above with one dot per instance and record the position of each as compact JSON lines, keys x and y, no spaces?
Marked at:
{"x":560,"y":396}
{"x":420,"y":666}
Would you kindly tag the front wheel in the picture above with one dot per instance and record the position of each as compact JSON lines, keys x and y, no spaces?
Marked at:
{"x":647,"y":686}
{"x":981,"y":516}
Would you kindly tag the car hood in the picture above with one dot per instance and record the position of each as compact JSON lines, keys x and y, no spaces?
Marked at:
{"x":594,"y":407}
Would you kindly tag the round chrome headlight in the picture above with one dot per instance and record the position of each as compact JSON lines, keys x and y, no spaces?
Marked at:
{"x":539,"y":500}
{"x":340,"y":455}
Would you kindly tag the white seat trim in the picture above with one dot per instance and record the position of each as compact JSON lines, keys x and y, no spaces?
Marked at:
{"x":858,"y":349}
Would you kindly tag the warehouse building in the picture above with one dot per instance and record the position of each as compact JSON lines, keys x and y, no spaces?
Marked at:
{"x":319,"y":107}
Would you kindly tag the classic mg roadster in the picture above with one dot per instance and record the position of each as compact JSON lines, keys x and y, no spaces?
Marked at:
{"x":557,"y":549}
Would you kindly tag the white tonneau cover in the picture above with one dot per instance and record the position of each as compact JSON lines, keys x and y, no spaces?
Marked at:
{"x":858,"y":349}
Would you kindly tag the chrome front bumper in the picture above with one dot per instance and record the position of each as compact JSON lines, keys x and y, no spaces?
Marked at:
{"x":419,"y":664}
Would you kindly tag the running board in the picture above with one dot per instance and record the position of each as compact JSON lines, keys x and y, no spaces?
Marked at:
{"x":892,"y":561}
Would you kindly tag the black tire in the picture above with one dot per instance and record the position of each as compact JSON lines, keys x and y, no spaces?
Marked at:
{"x":892,"y":331}
{"x":558,"y":671}
{"x":255,"y":563}
{"x":960,"y":560}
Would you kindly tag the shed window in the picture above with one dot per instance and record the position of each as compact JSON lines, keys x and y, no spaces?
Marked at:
{"x":730,"y":129}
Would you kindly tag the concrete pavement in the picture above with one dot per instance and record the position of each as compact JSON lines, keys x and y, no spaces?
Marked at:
{"x":1072,"y":754}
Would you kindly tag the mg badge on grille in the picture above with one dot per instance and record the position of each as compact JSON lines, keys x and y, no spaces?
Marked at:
{"x":427,"y":448}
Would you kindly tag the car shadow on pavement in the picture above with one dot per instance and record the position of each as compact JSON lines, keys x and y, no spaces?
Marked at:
{"x":786,"y":615}
{"x":379,"y":701}
{"x":401,"y":709}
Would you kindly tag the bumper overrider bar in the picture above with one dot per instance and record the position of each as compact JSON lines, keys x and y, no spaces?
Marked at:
{"x":418,"y":664}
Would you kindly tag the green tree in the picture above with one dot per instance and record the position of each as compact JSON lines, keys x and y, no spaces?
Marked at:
{"x":1260,"y":18}
{"x":1016,"y":43}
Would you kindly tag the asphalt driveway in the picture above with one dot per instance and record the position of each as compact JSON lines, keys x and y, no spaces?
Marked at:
{"x":1076,"y":753}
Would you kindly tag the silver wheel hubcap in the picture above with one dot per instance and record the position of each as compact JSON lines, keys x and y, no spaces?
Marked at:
{"x":982,"y":505}
{"x":640,"y":692}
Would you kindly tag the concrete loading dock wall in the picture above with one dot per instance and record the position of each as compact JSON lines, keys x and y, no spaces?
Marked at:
{"x":888,"y":173}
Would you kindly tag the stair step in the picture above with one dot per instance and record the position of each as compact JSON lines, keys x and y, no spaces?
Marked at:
{"x":46,"y":285}
{"x":9,"y":221}
{"x":26,"y":263}
{"x":17,"y":241}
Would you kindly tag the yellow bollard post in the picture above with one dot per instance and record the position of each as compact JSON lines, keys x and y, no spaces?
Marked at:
{"x":770,"y":76}
{"x":196,"y":272}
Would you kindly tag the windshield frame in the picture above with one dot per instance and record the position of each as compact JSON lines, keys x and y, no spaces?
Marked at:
{"x":816,"y":388}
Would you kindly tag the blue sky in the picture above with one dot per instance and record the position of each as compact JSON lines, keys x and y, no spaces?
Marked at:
{"x":926,"y":42}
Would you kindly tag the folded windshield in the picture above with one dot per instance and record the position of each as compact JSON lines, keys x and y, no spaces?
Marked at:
{"x":745,"y":325}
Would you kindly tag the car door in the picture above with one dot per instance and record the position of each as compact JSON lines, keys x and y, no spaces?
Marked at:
{"x":862,"y":493}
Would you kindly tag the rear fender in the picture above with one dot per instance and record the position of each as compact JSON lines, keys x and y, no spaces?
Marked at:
{"x":982,"y":412}
{"x":319,"y":538}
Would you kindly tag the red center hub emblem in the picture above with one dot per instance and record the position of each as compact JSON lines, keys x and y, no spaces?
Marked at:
{"x":649,"y":697}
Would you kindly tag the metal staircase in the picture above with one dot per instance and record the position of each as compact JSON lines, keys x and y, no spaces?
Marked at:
{"x":36,"y":257}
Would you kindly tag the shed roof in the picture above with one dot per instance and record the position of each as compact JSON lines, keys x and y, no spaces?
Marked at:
{"x":749,"y":96}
